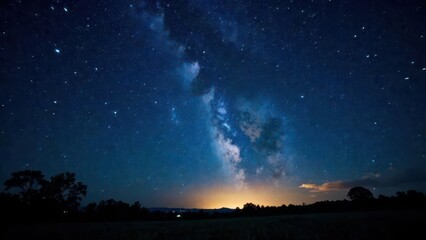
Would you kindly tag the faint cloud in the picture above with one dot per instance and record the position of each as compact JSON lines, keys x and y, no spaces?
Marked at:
{"x":386,"y":179}
{"x":367,"y":180}
{"x":325,"y":187}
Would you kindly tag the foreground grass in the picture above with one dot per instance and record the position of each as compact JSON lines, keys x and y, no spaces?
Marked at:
{"x":359,"y":225}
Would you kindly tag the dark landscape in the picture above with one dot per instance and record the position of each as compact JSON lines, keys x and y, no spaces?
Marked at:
{"x":348,"y":225}
{"x":44,"y":209}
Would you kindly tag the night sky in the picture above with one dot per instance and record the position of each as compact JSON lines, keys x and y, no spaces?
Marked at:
{"x":208,"y":103}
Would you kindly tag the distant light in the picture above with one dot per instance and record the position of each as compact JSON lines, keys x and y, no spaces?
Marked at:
{"x":407,"y":78}
{"x":302,"y":96}
{"x":178,"y":216}
{"x":65,"y":9}
{"x":57,"y":50}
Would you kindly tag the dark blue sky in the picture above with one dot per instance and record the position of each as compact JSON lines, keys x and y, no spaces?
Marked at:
{"x":207,"y":103}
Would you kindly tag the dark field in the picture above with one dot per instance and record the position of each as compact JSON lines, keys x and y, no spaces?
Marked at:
{"x":358,"y":225}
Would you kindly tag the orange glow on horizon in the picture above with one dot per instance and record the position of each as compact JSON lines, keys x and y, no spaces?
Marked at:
{"x":226,"y":196}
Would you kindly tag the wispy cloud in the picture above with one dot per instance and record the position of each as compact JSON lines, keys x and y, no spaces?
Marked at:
{"x":389,"y":178}
{"x":326,"y":187}
{"x":367,"y":180}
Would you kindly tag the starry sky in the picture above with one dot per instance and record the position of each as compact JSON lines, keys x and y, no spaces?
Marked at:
{"x":208,"y":103}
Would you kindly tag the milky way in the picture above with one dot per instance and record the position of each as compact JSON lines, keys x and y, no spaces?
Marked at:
{"x":197,"y":102}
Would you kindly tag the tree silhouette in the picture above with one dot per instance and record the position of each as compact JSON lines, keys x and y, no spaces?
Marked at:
{"x":359,"y":194}
{"x":29,"y":183}
{"x":250,"y":208}
{"x":42,"y":198}
{"x":65,"y":191}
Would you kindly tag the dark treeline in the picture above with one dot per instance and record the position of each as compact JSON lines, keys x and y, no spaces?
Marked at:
{"x":29,"y":197}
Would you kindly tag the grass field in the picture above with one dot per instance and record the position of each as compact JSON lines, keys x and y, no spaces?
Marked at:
{"x":359,"y":225}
